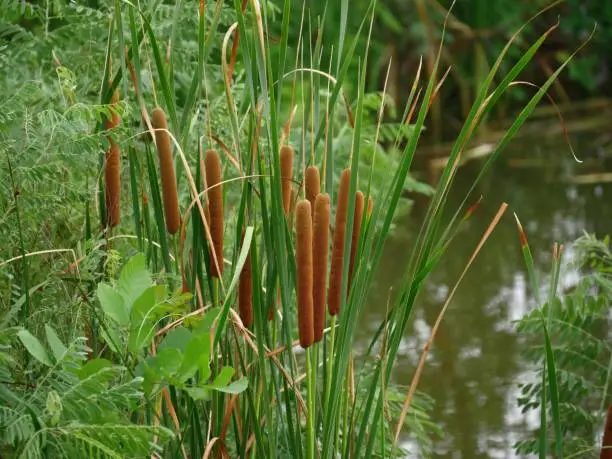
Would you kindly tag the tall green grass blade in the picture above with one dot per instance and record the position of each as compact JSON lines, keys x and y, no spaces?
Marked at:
{"x":158,"y":210}
{"x":244,"y":251}
{"x":133,"y":166}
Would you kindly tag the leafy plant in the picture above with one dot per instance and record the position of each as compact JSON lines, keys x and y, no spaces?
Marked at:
{"x":578,"y":322}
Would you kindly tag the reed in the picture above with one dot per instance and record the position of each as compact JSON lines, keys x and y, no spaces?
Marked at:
{"x":319,"y":262}
{"x":303,"y":227}
{"x":337,"y":258}
{"x":212,"y":166}
{"x":357,"y":218}
{"x":312,"y":180}
{"x":112,"y":168}
{"x":245,"y":291}
{"x":166,"y":166}
{"x":286,"y":164}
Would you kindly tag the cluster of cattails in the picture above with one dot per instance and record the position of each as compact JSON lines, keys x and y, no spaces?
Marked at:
{"x":112,"y":168}
{"x":312,"y":220}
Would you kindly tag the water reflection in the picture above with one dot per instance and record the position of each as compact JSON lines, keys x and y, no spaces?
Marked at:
{"x":475,"y":366}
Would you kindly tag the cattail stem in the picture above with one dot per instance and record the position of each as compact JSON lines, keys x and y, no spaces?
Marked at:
{"x":357,"y":218}
{"x":245,"y":291}
{"x":310,"y":387}
{"x":286,"y":164}
{"x":166,"y":166}
{"x":112,"y":169}
{"x":303,"y":226}
{"x":319,"y":261}
{"x":337,"y":260}
{"x":212,"y":164}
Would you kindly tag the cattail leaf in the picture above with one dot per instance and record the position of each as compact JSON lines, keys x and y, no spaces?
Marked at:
{"x":244,"y":252}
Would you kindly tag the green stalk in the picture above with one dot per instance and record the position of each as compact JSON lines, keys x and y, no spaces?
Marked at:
{"x":311,"y":405}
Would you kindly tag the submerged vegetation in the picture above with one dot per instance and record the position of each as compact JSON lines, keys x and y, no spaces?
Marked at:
{"x":195,"y":201}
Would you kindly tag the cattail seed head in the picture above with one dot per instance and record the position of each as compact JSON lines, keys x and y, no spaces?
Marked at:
{"x":286,"y":165}
{"x":245,"y":291}
{"x":312,"y":181}
{"x":303,"y":228}
{"x":320,"y":252}
{"x":357,"y":218}
{"x":212,"y":165}
{"x":112,"y":168}
{"x":166,"y":166}
{"x":337,"y":258}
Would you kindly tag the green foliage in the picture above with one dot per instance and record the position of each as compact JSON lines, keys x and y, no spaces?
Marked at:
{"x":129,"y":359}
{"x":70,"y":407}
{"x":578,"y":330}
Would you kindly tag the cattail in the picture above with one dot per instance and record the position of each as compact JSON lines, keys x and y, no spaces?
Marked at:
{"x":245,"y":291}
{"x":286,"y":164}
{"x":357,"y":217}
{"x":320,"y":251}
{"x":606,"y":443}
{"x":312,"y":185}
{"x":112,"y":169}
{"x":166,"y":166}
{"x":337,"y":258}
{"x":303,"y":229}
{"x":212,"y":165}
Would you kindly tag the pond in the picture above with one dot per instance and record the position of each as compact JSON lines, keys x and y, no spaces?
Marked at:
{"x":475,"y":364}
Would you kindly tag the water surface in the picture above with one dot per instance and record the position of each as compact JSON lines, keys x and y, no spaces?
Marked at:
{"x":475,"y":365}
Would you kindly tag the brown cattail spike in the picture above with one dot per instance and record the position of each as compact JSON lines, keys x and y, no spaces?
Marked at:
{"x":212,"y":165}
{"x":245,"y":291}
{"x":112,"y":168}
{"x":320,"y":251}
{"x":303,"y":229}
{"x":286,"y":164}
{"x":166,"y":166}
{"x":313,"y":184}
{"x":337,"y":258}
{"x":357,"y":218}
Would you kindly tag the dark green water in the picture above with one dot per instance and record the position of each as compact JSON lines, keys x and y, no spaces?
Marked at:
{"x":475,"y":365}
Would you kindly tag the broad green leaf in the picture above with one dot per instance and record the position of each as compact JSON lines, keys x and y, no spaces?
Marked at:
{"x":223,"y":378}
{"x":205,"y":323}
{"x":134,"y":280}
{"x":148,"y":305}
{"x":34,"y":347}
{"x":234,"y":388}
{"x":198,"y":393}
{"x":147,"y":311}
{"x":92,"y":367}
{"x":110,"y":335}
{"x":167,"y":362}
{"x":178,"y":338}
{"x":197,"y":355}
{"x":112,"y":304}
{"x":55,"y":343}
